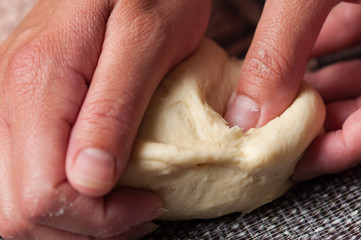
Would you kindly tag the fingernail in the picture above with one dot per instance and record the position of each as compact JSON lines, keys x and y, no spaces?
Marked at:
{"x":243,"y":112}
{"x":153,"y":215}
{"x":142,"y":230}
{"x":94,"y":169}
{"x":159,"y":212}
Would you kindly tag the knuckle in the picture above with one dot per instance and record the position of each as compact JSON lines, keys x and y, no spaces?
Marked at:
{"x":150,"y":22}
{"x":158,"y":25}
{"x":266,"y":64}
{"x":110,"y":115}
{"x":25,"y":67}
{"x":146,"y":28}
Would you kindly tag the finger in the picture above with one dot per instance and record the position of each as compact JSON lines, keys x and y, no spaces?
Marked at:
{"x":45,"y":232}
{"x":340,"y":81}
{"x":338,"y":112}
{"x":117,"y":213}
{"x":137,"y":53}
{"x":137,"y":232}
{"x":46,"y":85}
{"x":9,"y":214}
{"x":276,"y":60}
{"x":43,"y":194}
{"x":333,"y":151}
{"x":341,"y":29}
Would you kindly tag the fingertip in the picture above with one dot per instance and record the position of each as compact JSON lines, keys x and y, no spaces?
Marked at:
{"x":93,"y":172}
{"x":310,"y":165}
{"x":243,"y":112}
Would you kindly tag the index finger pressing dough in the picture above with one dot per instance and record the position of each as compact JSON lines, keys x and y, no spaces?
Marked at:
{"x":199,"y":166}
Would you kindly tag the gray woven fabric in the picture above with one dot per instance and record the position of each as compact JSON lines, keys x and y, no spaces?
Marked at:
{"x":325,"y":208}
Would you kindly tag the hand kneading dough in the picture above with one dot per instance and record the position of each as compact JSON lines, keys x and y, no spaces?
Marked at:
{"x":200,"y":167}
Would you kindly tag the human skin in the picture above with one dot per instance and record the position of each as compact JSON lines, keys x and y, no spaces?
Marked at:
{"x":76,"y":77}
{"x":286,"y":37}
{"x":64,"y":89}
{"x":340,"y":86}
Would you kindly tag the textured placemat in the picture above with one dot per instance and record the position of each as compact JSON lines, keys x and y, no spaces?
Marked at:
{"x":328,"y":207}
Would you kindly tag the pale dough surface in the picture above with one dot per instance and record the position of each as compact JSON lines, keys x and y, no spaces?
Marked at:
{"x":200,"y":167}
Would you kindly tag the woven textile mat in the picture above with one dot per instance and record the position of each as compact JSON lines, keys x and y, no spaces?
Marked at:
{"x":328,"y":207}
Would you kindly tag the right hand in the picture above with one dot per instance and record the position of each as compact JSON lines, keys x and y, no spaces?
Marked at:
{"x":272,"y":72}
{"x":339,"y":84}
{"x":75,"y":79}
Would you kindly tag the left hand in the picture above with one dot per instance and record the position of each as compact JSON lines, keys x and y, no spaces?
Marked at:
{"x":78,"y":75}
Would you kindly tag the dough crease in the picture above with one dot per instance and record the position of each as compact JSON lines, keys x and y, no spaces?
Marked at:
{"x":199,"y":166}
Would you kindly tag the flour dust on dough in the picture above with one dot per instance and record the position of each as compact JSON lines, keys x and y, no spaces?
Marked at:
{"x":199,"y":166}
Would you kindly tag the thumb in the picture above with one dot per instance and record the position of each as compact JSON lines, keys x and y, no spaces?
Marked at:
{"x":276,"y":61}
{"x":138,"y":50}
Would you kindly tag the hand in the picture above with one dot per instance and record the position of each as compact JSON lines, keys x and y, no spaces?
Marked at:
{"x":75,"y":79}
{"x":340,"y":86}
{"x":273,"y":69}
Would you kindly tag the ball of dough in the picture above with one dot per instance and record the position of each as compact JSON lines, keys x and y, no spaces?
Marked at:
{"x":199,"y":166}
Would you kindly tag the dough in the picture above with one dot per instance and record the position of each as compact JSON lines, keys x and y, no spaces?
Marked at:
{"x":200,"y":167}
